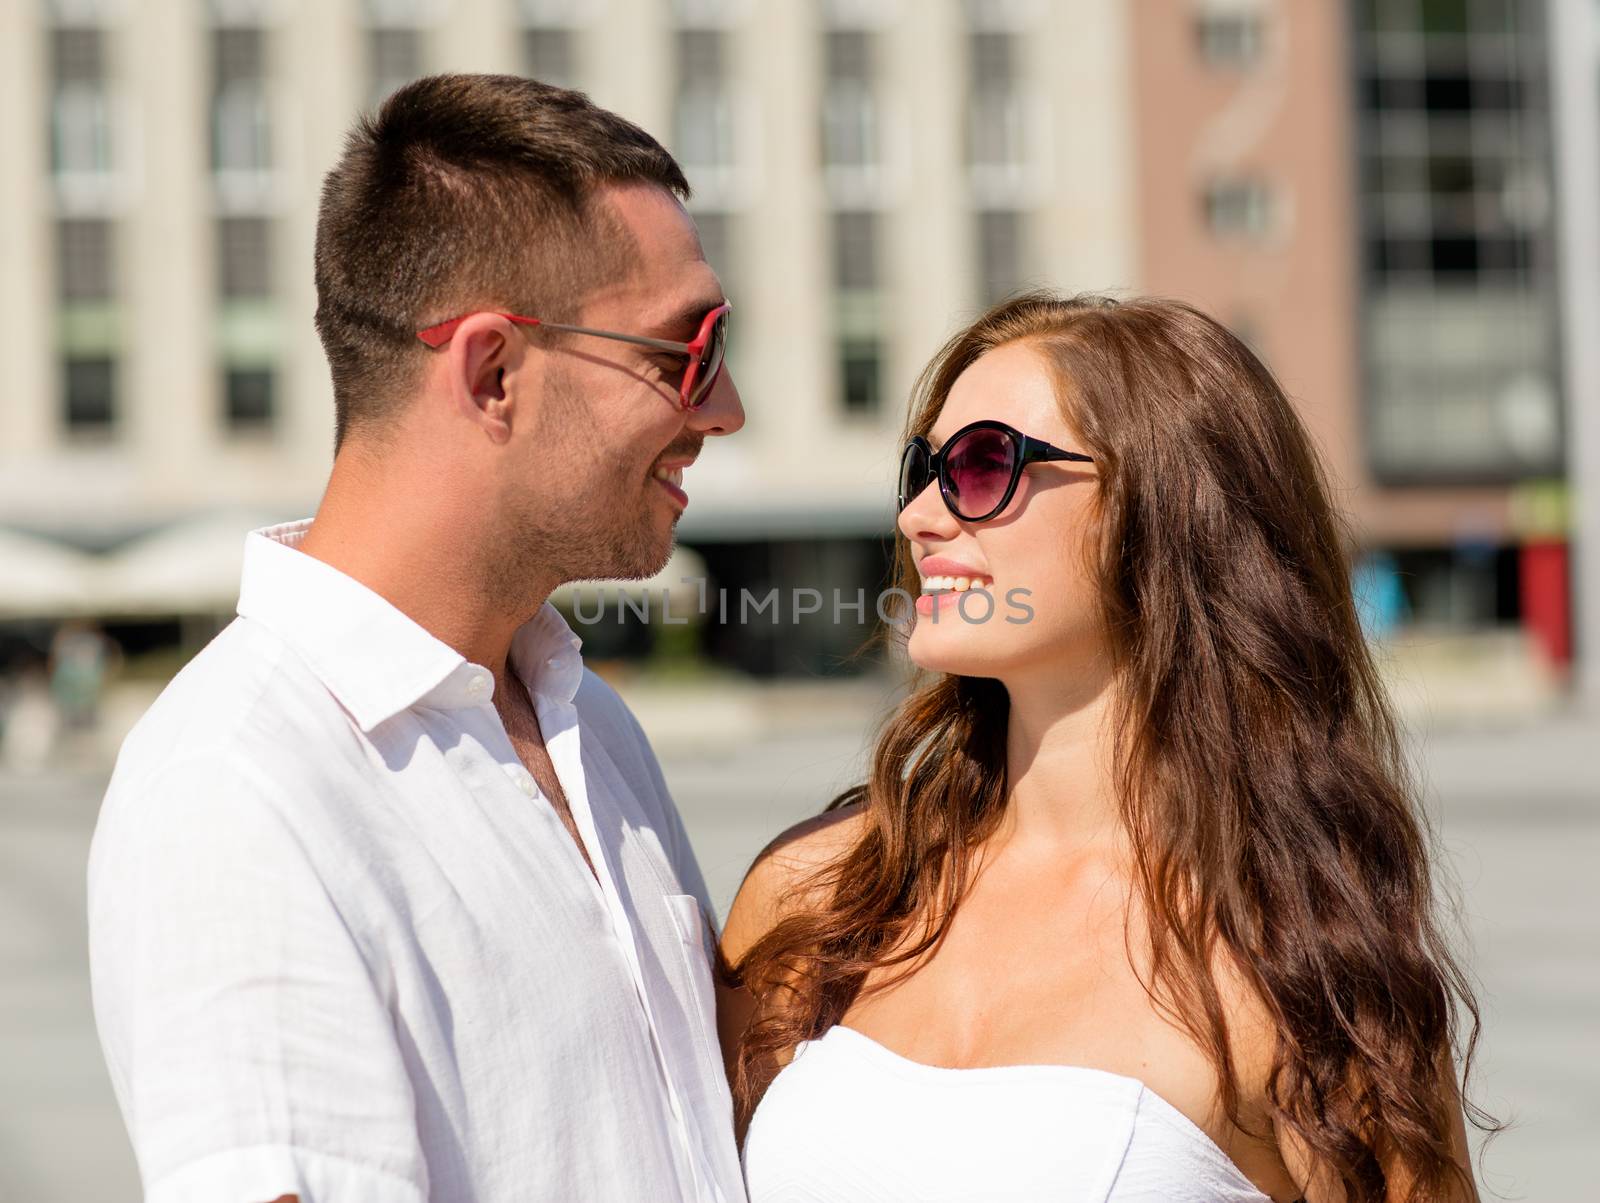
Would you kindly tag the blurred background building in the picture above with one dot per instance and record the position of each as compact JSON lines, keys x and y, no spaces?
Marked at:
{"x":1365,"y":191}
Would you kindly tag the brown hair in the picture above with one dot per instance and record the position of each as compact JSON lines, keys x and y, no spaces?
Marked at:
{"x":462,"y":192}
{"x":1260,"y":772}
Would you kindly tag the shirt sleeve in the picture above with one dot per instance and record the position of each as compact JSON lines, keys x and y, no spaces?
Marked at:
{"x":249,"y":1043}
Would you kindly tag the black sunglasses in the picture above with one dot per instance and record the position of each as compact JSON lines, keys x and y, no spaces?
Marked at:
{"x":977,"y":468}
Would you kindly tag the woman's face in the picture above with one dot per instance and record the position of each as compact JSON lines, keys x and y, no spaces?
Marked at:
{"x":1035,"y":559}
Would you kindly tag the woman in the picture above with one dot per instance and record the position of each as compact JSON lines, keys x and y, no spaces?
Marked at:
{"x":1136,"y":901}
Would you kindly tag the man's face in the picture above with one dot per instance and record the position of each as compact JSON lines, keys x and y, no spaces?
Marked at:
{"x":609,"y":422}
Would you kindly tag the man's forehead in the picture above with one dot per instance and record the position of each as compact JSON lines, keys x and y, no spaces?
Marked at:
{"x":666,"y":281}
{"x":651,"y":218}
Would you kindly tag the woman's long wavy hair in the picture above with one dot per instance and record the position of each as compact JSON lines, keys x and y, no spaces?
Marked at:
{"x":1261,"y":777}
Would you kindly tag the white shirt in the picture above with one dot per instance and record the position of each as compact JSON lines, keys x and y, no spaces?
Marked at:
{"x":342,"y":946}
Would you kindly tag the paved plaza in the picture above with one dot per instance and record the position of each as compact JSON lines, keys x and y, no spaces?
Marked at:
{"x":1518,"y":809}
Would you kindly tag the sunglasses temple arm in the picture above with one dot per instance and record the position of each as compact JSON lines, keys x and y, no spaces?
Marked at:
{"x":1043,"y":451}
{"x":660,"y":344}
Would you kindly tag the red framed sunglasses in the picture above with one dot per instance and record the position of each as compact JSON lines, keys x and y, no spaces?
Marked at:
{"x":705,"y":350}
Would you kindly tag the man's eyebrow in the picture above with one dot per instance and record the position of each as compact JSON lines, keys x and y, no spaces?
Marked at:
{"x":685,"y":323}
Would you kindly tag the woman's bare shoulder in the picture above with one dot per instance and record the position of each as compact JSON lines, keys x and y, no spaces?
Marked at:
{"x":773,"y":887}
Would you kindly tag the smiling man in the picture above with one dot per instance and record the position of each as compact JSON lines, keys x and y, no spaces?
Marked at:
{"x":388,"y":899}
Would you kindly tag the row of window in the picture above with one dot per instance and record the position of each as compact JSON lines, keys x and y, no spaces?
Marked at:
{"x":90,"y":395}
{"x":86,"y":258}
{"x":1459,"y":313}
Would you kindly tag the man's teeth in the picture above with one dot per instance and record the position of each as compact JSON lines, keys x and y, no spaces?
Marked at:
{"x":954,"y":584}
{"x":673,"y":476}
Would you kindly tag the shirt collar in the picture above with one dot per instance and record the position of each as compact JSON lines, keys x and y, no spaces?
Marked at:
{"x":375,"y":659}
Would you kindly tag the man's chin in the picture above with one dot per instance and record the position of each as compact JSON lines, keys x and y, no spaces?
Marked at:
{"x":644,"y":558}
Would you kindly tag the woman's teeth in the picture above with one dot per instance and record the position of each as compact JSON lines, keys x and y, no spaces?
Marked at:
{"x":673,"y":476}
{"x":954,"y":584}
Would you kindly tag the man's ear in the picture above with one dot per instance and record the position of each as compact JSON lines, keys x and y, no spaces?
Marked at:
{"x":485,"y":348}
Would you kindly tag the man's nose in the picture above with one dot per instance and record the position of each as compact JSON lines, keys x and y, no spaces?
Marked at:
{"x":723,"y":412}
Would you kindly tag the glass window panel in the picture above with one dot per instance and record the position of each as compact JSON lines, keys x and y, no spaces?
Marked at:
{"x":88,"y":393}
{"x":992,"y":57}
{"x":995,"y":121}
{"x":248,"y":397}
{"x":704,"y":110}
{"x":1448,"y":93}
{"x":84,"y":259}
{"x":849,"y":56}
{"x":1230,"y":39}
{"x":999,"y":253}
{"x":1238,"y":207}
{"x":1444,"y":16}
{"x":699,"y":54}
{"x":855,"y":250}
{"x":240,"y":55}
{"x":240,"y":127}
{"x":78,"y":56}
{"x":548,"y":55}
{"x":244,"y":257}
{"x":861,"y":374}
{"x":394,"y":59}
{"x":80,"y":131}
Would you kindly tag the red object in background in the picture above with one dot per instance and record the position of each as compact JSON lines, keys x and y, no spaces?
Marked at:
{"x":1546,"y":600}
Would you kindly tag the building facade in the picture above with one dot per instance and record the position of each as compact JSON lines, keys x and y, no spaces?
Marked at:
{"x":1364,"y":191}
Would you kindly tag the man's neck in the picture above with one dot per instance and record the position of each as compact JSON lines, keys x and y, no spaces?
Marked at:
{"x":421,"y":548}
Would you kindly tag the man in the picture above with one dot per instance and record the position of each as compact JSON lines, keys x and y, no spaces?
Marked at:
{"x":388,"y":900}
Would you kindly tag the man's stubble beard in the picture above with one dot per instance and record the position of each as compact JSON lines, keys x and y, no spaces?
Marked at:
{"x":603,"y":530}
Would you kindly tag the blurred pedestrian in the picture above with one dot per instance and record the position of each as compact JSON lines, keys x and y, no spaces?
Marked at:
{"x":388,"y":899}
{"x":31,"y":722}
{"x":82,"y":656}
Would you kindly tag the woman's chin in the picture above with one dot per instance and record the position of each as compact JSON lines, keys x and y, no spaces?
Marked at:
{"x":955,"y":649}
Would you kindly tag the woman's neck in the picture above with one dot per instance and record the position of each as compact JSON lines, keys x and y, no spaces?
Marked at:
{"x":1060,"y":761}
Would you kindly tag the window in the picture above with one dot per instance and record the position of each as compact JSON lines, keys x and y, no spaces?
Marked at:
{"x":241,"y":139}
{"x":861,"y":373}
{"x":83,"y":260}
{"x":855,"y":251}
{"x":1230,"y":38}
{"x":80,"y":113}
{"x":859,"y":310}
{"x":850,"y":136}
{"x":244,"y":257}
{"x":999,"y":253}
{"x":1239,"y":208}
{"x":248,"y":398}
{"x":394,"y":59}
{"x":548,"y":55}
{"x":704,"y":122}
{"x":88,"y":393}
{"x":1459,"y":310}
{"x":995,"y":127}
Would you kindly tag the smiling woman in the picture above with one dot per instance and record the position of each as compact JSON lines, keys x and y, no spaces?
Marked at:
{"x":1148,"y":864}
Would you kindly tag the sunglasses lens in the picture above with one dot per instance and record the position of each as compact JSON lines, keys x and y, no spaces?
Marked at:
{"x":710,"y":365}
{"x":979,"y":467}
{"x":913,"y":473}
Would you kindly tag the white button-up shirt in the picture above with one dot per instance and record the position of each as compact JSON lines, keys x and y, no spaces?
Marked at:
{"x":342,"y":946}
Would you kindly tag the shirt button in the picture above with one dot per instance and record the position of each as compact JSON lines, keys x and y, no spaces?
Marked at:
{"x":478,"y":684}
{"x":526,"y":782}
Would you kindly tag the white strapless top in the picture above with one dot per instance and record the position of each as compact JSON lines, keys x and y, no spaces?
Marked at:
{"x":849,"y":1121}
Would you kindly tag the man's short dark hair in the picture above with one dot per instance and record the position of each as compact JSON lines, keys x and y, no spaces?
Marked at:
{"x":465,"y":192}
